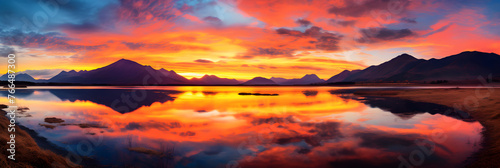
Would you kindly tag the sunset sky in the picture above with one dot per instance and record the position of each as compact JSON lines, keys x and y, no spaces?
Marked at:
{"x":241,"y":38}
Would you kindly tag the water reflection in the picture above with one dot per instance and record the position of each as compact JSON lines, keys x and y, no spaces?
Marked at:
{"x":216,"y":127}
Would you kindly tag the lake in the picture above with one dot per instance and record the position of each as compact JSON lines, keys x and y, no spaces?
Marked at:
{"x":244,"y":127}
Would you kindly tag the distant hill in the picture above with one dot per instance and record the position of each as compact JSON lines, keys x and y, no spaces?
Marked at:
{"x":122,"y":72}
{"x":19,"y":77}
{"x":171,"y":74}
{"x":306,"y":80}
{"x":213,"y":80}
{"x":279,"y":80}
{"x":464,"y":66}
{"x":395,"y":66}
{"x":342,"y":76}
{"x":260,"y":81}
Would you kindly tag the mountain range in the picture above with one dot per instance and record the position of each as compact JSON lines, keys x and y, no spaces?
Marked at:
{"x":260,"y":81}
{"x":121,"y":72}
{"x":341,"y":76}
{"x":19,"y":77}
{"x":464,"y":66}
{"x":214,"y":80}
{"x":306,"y":80}
{"x":127,"y":72}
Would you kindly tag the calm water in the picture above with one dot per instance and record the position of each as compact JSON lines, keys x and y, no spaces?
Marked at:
{"x":217,"y":127}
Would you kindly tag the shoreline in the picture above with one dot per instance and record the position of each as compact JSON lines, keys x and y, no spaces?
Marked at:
{"x":482,"y":104}
{"x":28,"y":152}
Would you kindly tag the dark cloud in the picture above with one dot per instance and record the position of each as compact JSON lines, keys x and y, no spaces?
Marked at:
{"x":408,"y":20}
{"x":143,"y":11}
{"x":307,"y":68}
{"x":19,"y":14}
{"x":19,"y":38}
{"x":84,"y":15}
{"x":203,"y":61}
{"x":303,"y":22}
{"x":6,"y":50}
{"x":344,"y":23}
{"x":213,"y":20}
{"x":328,"y":42}
{"x":165,"y":46}
{"x":84,"y":27}
{"x":43,"y":73}
{"x":266,"y":52}
{"x":360,"y":8}
{"x":289,"y":32}
{"x":49,"y":40}
{"x":187,"y":133}
{"x":271,"y":52}
{"x":324,"y":40}
{"x":134,"y":46}
{"x":372,"y":35}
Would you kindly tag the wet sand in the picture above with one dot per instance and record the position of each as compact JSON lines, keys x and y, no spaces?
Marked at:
{"x":28,"y":153}
{"x":482,"y":104}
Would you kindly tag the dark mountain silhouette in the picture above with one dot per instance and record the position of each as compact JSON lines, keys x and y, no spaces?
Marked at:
{"x":213,"y":80}
{"x":19,"y":77}
{"x":260,"y":81}
{"x":395,"y":66}
{"x":279,"y":80}
{"x":464,"y":66}
{"x":306,"y":80}
{"x":461,"y":67}
{"x":171,"y":74}
{"x":342,"y":76}
{"x":122,"y":72}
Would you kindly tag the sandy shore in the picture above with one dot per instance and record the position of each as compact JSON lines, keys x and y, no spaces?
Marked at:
{"x":28,"y":153}
{"x":483,"y":105}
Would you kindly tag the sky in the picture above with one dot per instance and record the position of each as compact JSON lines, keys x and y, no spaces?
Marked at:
{"x":241,"y":38}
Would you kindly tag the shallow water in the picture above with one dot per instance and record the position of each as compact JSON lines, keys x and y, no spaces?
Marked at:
{"x":217,"y":127}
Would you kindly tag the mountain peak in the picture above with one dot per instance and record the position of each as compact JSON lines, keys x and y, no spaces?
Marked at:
{"x":124,"y":61}
{"x":466,"y":52}
{"x":207,"y":76}
{"x":260,"y":81}
{"x":406,"y":56}
{"x":345,"y":71}
{"x":310,"y":76}
{"x":476,"y":53}
{"x":259,"y":78}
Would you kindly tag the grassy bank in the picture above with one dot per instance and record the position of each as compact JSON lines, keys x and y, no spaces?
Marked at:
{"x":28,"y":153}
{"x":482,"y":104}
